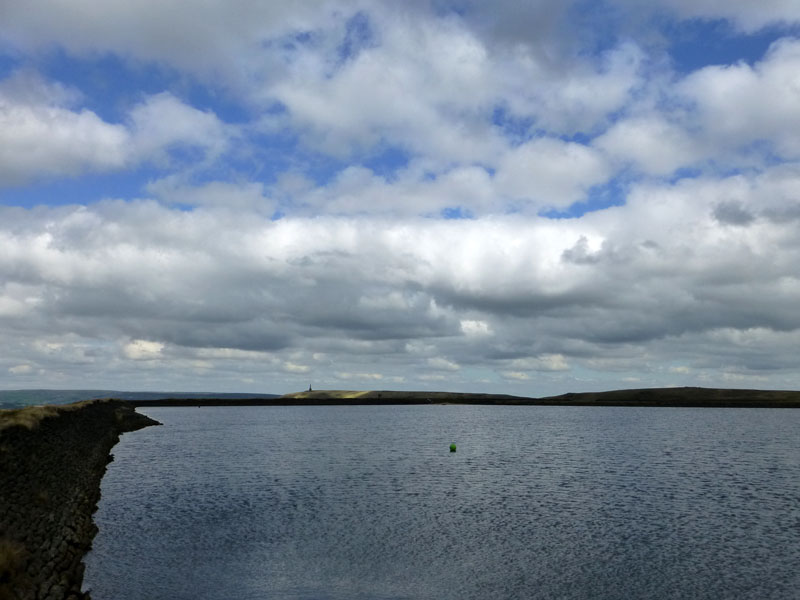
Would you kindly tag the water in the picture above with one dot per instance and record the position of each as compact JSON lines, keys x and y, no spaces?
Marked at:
{"x":368,"y":503}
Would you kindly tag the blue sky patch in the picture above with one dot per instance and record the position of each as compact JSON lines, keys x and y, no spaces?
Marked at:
{"x":599,"y":197}
{"x":700,"y":43}
{"x":456,"y":212}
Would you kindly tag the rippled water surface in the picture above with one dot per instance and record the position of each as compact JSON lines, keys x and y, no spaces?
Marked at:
{"x":368,"y":503}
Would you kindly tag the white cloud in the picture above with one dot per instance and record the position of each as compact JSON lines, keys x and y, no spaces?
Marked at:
{"x":39,"y":136}
{"x":363,"y":376}
{"x":21,"y":370}
{"x":574,"y":96}
{"x":17,"y":300}
{"x":42,"y":135}
{"x":767,"y":101}
{"x":359,"y":191}
{"x":442,"y":364}
{"x":143,"y":350}
{"x":550,"y":172}
{"x":249,"y":196}
{"x":425,"y":83}
{"x":518,"y":375}
{"x":432,"y":86}
{"x":163,"y":121}
{"x":432,"y":377}
{"x":475,"y":328}
{"x":545,"y":362}
{"x":654,"y":145}
{"x":427,"y":87}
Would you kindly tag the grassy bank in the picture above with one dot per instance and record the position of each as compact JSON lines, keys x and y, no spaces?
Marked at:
{"x":31,"y":416}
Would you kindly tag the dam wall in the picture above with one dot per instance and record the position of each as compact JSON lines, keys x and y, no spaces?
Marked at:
{"x":52,"y":460}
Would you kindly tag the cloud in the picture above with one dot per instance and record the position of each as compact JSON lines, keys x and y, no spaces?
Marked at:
{"x":246,"y":295}
{"x":427,"y":85}
{"x":745,"y":15}
{"x":651,"y":143}
{"x":411,"y":192}
{"x":550,"y":172}
{"x":143,"y":350}
{"x":442,"y":364}
{"x":695,"y":123}
{"x":576,"y":96}
{"x":767,"y":106}
{"x":431,"y":85}
{"x":248,"y":196}
{"x":518,"y":375}
{"x":361,"y":376}
{"x":204,"y":38}
{"x":474,"y":328}
{"x":162,"y":122}
{"x":732,"y":213}
{"x":545,"y":362}
{"x":41,"y":136}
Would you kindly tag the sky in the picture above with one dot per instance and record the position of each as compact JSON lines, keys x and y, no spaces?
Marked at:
{"x":521,"y":197}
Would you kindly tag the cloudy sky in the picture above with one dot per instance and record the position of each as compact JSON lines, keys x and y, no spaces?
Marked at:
{"x":525,"y":197}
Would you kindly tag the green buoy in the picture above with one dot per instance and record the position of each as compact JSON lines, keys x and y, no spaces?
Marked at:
{"x":453,"y":447}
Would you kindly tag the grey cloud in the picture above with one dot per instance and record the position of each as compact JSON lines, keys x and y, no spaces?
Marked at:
{"x":254,"y":336}
{"x":154,"y":31}
{"x":733,"y":213}
{"x":788,"y":213}
{"x":580,"y":253}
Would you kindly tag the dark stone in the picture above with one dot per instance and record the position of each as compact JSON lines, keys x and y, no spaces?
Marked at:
{"x":49,"y":487}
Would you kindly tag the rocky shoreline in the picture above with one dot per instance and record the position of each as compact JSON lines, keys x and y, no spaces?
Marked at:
{"x":52,"y":460}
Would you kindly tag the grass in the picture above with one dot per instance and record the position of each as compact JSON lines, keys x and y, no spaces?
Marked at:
{"x":340,"y":394}
{"x":30,"y":416}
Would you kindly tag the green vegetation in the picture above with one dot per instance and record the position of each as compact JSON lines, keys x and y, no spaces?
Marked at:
{"x":340,"y":394}
{"x":30,"y":417}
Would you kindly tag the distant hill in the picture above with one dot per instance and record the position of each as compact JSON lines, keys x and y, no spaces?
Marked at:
{"x":682,"y":396}
{"x":685,"y":396}
{"x":21,"y":398}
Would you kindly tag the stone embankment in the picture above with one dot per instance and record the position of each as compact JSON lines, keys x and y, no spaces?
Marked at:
{"x":51,"y":462}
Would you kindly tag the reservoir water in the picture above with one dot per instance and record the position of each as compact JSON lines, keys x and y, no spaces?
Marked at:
{"x":369,"y":503}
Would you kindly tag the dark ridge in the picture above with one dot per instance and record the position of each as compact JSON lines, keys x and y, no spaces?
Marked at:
{"x":675,"y":397}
